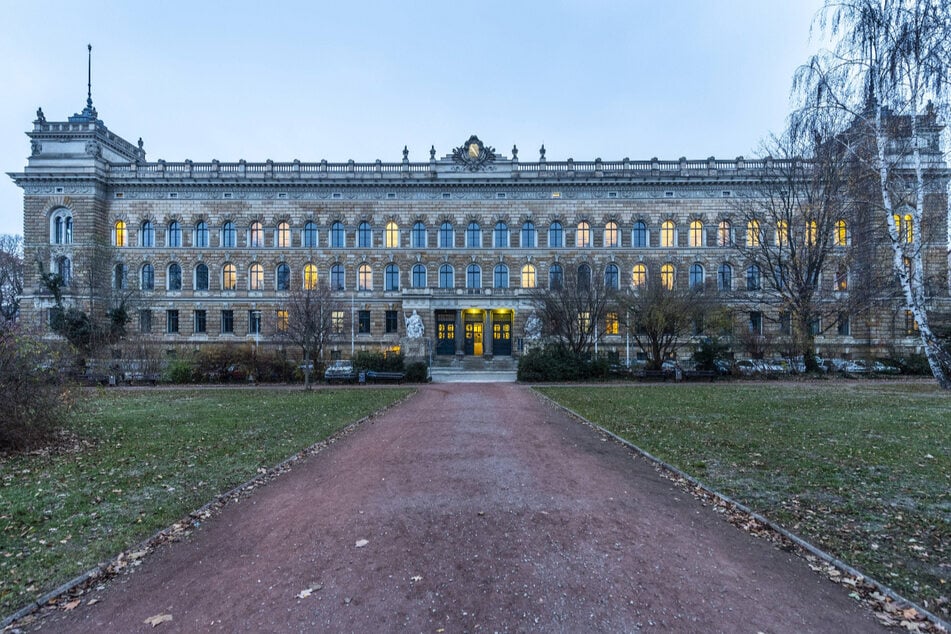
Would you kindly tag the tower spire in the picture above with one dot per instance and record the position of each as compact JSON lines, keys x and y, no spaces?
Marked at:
{"x":89,"y":77}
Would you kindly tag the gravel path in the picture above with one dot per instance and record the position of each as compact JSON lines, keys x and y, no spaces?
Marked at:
{"x":483,"y":510}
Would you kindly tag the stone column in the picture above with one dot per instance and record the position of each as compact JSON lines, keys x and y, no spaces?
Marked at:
{"x":460,"y":334}
{"x":487,"y":334}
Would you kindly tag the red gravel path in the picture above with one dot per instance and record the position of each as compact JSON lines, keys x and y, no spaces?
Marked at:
{"x":484,"y":510}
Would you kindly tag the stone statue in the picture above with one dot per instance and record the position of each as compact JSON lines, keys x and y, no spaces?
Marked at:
{"x":533,"y":327}
{"x":414,"y":326}
{"x":40,"y":117}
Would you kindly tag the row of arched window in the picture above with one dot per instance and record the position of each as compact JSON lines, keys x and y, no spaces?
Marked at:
{"x":445,"y":279}
{"x":282,"y":236}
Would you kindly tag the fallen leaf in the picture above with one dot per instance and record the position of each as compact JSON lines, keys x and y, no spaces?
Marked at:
{"x":361,"y":543}
{"x":93,"y":601}
{"x":72,"y":605}
{"x":303,"y":594}
{"x":158,"y":619}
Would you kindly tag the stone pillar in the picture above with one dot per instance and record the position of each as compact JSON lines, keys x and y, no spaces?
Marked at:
{"x":460,"y":334}
{"x":487,"y":334}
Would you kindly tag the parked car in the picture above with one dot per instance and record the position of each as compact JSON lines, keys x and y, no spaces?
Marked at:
{"x":340,"y":370}
{"x":881,"y":367}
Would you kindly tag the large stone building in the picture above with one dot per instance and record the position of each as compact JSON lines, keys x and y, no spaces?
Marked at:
{"x":462,"y":239}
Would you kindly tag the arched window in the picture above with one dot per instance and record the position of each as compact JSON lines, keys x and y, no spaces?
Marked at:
{"x":639,"y":276}
{"x":338,"y":279}
{"x":418,"y":237}
{"x":528,"y":276}
{"x":639,"y":237}
{"x":201,"y":234}
{"x":667,"y":273}
{"x":584,"y":276}
{"x":310,"y":235}
{"x":419,"y":276}
{"x":201,"y":277}
{"x":841,"y":235}
{"x":529,"y":236}
{"x":812,"y":233}
{"x":611,"y":236}
{"x":474,"y":236}
{"x":147,"y":234}
{"x":174,"y":278}
{"x":842,"y":279}
{"x":473,"y":276}
{"x":118,"y":276}
{"x":256,"y":277}
{"x":256,"y":235}
{"x":365,"y":235}
{"x":282,"y":235}
{"x":446,"y":277}
{"x":753,"y":278}
{"x":612,"y":277}
{"x":229,"y":235}
{"x":282,"y":277}
{"x":364,"y":277}
{"x":696,"y":276}
{"x":310,"y":276}
{"x":338,"y":237}
{"x":229,"y":277}
{"x":782,"y":233}
{"x":500,"y":235}
{"x":696,"y":233}
{"x":725,"y":277}
{"x":753,"y":233}
{"x":392,"y":235}
{"x":501,"y":276}
{"x":556,"y":235}
{"x":119,"y":234}
{"x":61,"y":227}
{"x":391,"y":278}
{"x":173,"y":237}
{"x":556,"y":277}
{"x":64,"y":268}
{"x":147,"y":277}
{"x":447,"y":237}
{"x":724,"y":234}
{"x":583,"y":235}
{"x":668,"y":234}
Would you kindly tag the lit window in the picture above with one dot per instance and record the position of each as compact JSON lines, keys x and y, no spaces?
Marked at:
{"x":696,"y":233}
{"x":364,"y":278}
{"x":556,"y":277}
{"x":119,"y":234}
{"x":174,"y":277}
{"x":528,"y":276}
{"x":611,"y":236}
{"x":229,"y":277}
{"x":841,"y":236}
{"x":447,"y":236}
{"x":842,"y":279}
{"x":501,"y":277}
{"x":612,"y":277}
{"x":911,"y":324}
{"x":529,"y":236}
{"x":611,"y":324}
{"x":338,"y":237}
{"x":782,"y":233}
{"x":256,"y":235}
{"x":446,"y":277}
{"x":283,"y":320}
{"x":501,"y":235}
{"x":753,"y":278}
{"x":310,"y":277}
{"x":812,"y":233}
{"x":201,"y":234}
{"x":725,"y":277}
{"x":337,"y":277}
{"x":583,"y":235}
{"x":283,"y":235}
{"x":229,"y":235}
{"x":256,"y":277}
{"x":473,"y":276}
{"x":365,"y":235}
{"x":584,"y":321}
{"x":639,"y":236}
{"x":336,"y":321}
{"x":391,"y":278}
{"x":392,"y":235}
{"x":639,"y":276}
{"x":668,"y":235}
{"x":667,"y":276}
{"x":173,"y":238}
{"x":752,"y":233}
{"x":147,"y":234}
{"x":418,"y":236}
{"x":908,"y":227}
{"x":310,"y":235}
{"x":282,"y":277}
{"x":474,"y":236}
{"x":556,"y":235}
{"x":724,"y":234}
{"x":147,"y":277}
{"x":201,"y":277}
{"x":419,"y":276}
{"x":696,"y":276}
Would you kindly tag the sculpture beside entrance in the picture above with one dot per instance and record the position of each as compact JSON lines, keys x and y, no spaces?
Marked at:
{"x":414,"y":326}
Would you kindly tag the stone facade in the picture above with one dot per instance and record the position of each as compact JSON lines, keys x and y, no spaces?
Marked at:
{"x":492,"y":220}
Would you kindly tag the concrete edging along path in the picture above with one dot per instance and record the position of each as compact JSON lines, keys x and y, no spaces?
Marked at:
{"x":469,"y":507}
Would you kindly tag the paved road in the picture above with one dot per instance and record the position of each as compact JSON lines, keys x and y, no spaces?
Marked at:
{"x":483,"y":510}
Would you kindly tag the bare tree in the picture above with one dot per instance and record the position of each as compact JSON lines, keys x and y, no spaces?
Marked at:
{"x":889,"y":60}
{"x":661,"y":316}
{"x":310,"y":318}
{"x":11,"y":276}
{"x":573,"y":306}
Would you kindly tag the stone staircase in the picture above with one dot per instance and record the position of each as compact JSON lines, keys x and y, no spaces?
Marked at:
{"x":450,"y":369}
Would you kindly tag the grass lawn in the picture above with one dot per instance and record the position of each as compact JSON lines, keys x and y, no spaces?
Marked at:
{"x":861,"y":469}
{"x":146,"y":460}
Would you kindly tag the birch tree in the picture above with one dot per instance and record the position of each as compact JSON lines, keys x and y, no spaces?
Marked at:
{"x":888,"y":68}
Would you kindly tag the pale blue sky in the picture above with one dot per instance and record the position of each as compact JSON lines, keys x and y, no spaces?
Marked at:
{"x":340,"y":80}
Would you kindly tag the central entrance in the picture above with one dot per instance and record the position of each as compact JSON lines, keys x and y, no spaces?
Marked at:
{"x":502,"y":333}
{"x":473,"y":331}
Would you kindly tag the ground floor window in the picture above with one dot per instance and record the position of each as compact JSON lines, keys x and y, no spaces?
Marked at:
{"x":254,"y":322}
{"x":756,"y":322}
{"x":171,"y":322}
{"x":227,"y":322}
{"x":336,"y":320}
{"x":392,"y":321}
{"x":363,"y":322}
{"x":145,"y":321}
{"x":200,"y":321}
{"x":844,"y":327}
{"x":611,"y":322}
{"x":282,"y":320}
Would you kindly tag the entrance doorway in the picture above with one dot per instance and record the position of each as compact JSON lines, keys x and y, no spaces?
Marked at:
{"x":502,"y":334}
{"x":446,"y":332}
{"x":473,"y":330}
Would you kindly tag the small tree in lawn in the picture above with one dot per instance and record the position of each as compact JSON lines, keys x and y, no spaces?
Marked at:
{"x":572,"y":307}
{"x":11,"y":276}
{"x":309,"y":318}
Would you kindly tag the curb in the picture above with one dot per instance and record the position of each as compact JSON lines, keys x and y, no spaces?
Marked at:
{"x":940,"y":624}
{"x":165,"y":535}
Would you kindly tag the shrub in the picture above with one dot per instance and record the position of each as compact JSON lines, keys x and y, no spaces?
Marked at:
{"x":34,"y":398}
{"x":378,"y":361}
{"x":180,"y":371}
{"x":416,"y":372}
{"x":557,"y":363}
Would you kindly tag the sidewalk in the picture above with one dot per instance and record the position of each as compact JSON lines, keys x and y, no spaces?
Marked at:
{"x":481,"y":509}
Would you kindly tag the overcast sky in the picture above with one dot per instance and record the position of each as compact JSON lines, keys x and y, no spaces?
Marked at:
{"x":339,"y":80}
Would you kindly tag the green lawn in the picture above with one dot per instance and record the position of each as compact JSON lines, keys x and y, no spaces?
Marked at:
{"x":862,"y":470}
{"x":149,"y":458}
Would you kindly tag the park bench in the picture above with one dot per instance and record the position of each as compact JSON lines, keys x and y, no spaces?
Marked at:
{"x":385,"y":377}
{"x":699,"y":375}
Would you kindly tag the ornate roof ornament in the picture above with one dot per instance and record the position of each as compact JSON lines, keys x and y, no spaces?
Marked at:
{"x":474,"y":155}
